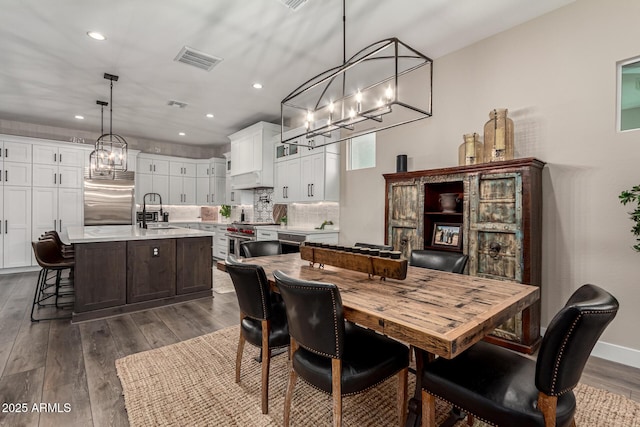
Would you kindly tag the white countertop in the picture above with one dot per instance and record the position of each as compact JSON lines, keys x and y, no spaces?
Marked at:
{"x":114,"y":233}
{"x":298,"y":230}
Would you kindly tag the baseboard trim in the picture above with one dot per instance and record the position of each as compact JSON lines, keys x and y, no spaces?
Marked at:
{"x":18,"y":270}
{"x":614,"y":353}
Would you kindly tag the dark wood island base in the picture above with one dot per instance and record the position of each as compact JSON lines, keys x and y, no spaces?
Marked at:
{"x":119,"y":277}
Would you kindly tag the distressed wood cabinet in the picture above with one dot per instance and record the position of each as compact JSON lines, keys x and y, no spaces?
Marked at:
{"x":499,"y":212}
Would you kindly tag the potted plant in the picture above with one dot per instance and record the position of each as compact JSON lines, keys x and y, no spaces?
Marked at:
{"x":225,"y":211}
{"x":631,"y":196}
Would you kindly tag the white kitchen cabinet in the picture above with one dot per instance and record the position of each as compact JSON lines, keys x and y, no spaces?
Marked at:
{"x":152,"y":164}
{"x":252,"y":156}
{"x":61,"y":156}
{"x":320,"y":177}
{"x":220,"y":242}
{"x":287,"y":181}
{"x":58,"y":176}
{"x":18,"y":174}
{"x":15,"y":152}
{"x":56,"y":209}
{"x":235,"y":197}
{"x":211,"y":182}
{"x":147,"y":183}
{"x":15,"y":226}
{"x":182,"y":190}
{"x":182,"y":168}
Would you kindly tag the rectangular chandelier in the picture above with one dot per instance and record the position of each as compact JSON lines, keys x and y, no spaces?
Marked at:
{"x":386,"y":84}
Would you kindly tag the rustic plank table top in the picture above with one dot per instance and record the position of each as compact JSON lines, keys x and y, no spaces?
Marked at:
{"x":439,"y":312}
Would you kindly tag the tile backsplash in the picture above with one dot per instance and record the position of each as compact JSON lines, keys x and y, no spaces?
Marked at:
{"x":312,"y":215}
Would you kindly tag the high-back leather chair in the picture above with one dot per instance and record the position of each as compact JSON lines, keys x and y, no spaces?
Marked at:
{"x":260,"y":248}
{"x":374,"y":246}
{"x":507,"y":389}
{"x":263,"y":321}
{"x":67,"y":251}
{"x":335,"y":356}
{"x":453,"y":262}
{"x":52,"y":264}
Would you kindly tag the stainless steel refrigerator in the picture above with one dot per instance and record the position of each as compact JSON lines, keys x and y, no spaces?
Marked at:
{"x":109,"y":200}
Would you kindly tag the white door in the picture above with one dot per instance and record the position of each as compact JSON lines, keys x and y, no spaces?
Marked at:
{"x":70,"y":177}
{"x":68,"y":156}
{"x":219,"y":193}
{"x":45,"y":211}
{"x":203,"y":196}
{"x":45,"y":175}
{"x":17,"y":226}
{"x":292,"y":173}
{"x":70,"y":208}
{"x":317,"y":181}
{"x":45,"y":154}
{"x":161,"y":167}
{"x":306,"y":166}
{"x":202,"y":170}
{"x":144,"y":185}
{"x":280,"y":182}
{"x":16,"y":152}
{"x":189,"y":190}
{"x":16,"y":174}
{"x":144,"y":165}
{"x":161,"y":186}
{"x":175,"y":191}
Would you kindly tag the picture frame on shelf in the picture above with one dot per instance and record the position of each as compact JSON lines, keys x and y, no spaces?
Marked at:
{"x":447,"y":235}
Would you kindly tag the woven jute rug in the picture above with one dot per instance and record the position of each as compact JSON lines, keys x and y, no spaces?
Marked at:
{"x":192,"y":383}
{"x":222,"y":283}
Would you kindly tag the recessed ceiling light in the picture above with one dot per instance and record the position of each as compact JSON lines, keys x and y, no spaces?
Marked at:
{"x":96,"y":35}
{"x":181,"y":133}
{"x":80,"y":117}
{"x":210,"y":116}
{"x":257,"y":86}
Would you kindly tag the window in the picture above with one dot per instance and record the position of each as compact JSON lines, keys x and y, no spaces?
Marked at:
{"x":362,"y":152}
{"x":629,"y":94}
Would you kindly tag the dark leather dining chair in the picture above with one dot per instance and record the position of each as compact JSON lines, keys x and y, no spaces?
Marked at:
{"x":507,"y":389}
{"x":453,"y":262}
{"x":263,"y":321}
{"x":337,"y":357}
{"x":374,"y":246}
{"x":260,"y":248}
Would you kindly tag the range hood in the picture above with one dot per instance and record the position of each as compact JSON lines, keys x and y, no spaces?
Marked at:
{"x":250,"y":180}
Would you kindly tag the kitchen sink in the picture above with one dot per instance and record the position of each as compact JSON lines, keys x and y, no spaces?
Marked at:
{"x":160,"y":226}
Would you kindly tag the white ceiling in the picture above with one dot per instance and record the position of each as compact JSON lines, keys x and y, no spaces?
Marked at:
{"x":51,"y":71}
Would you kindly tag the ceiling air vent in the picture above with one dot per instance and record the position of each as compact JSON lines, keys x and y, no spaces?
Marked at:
{"x":293,"y":4}
{"x":176,"y":104}
{"x":190,"y":56}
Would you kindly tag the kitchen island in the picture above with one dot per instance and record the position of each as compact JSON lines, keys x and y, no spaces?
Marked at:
{"x":124,"y":268}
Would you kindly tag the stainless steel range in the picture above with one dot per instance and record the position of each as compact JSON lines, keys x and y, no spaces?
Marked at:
{"x":239,"y":232}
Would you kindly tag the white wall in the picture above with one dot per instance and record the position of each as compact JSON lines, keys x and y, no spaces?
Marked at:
{"x":557,"y":76}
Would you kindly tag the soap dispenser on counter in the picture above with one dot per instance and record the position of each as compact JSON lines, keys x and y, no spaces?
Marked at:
{"x":242,"y":216}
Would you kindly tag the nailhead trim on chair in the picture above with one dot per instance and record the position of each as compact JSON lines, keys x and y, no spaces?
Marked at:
{"x":262,"y":296}
{"x":462,"y":409}
{"x":355,"y":392}
{"x":335,"y":321}
{"x":564,"y":344}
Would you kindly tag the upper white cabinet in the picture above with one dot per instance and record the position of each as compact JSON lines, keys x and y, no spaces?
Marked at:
{"x":59,"y":156}
{"x":15,"y":152}
{"x":152,"y":176}
{"x":311,"y":175}
{"x":211,"y":182}
{"x":152,"y":164}
{"x":252,"y":156}
{"x":55,"y":166}
{"x":182,"y":168}
{"x":15,"y":163}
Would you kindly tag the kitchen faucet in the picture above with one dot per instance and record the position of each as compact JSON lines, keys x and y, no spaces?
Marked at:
{"x":144,"y":207}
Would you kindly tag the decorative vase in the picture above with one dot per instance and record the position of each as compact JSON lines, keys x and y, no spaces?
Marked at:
{"x":471,"y":151}
{"x":449,"y":201}
{"x":498,"y":136}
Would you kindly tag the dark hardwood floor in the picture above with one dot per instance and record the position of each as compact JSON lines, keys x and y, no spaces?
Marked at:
{"x":56,"y":362}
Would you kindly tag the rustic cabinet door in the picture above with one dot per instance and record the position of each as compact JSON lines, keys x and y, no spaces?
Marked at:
{"x":406,"y":204}
{"x":495,"y":235}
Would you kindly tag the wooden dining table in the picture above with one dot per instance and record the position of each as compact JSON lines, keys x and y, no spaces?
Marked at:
{"x":437,"y":312}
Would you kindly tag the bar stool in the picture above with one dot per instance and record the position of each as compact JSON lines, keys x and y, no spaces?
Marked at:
{"x":50,"y":286}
